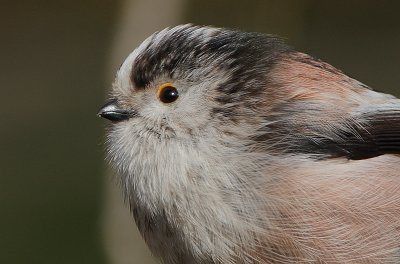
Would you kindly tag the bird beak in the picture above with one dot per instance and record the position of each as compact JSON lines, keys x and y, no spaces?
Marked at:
{"x":112,"y":111}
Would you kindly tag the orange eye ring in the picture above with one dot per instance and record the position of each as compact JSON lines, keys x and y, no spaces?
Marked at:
{"x":167,"y":93}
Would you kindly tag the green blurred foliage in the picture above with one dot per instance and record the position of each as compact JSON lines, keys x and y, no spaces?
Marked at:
{"x":53,"y":57}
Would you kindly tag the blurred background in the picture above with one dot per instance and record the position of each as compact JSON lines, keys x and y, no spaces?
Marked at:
{"x":58,"y":201}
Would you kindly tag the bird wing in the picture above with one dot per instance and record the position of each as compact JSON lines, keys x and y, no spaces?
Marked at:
{"x":328,"y":114}
{"x":365,"y":136}
{"x":379,"y":134}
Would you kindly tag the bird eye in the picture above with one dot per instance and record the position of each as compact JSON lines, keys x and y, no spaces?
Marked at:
{"x":167,"y":93}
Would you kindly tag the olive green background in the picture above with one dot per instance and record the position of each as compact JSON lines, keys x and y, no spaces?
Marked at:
{"x":56,"y":64}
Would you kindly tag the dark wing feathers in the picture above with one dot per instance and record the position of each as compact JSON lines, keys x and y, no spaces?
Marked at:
{"x":369,"y":135}
{"x":383,"y":131}
{"x":379,"y":134}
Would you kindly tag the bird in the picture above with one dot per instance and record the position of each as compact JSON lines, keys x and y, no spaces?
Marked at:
{"x":234,"y":147}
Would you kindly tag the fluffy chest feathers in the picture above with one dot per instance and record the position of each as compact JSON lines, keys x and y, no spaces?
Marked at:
{"x":233,"y":209}
{"x":177,"y":191}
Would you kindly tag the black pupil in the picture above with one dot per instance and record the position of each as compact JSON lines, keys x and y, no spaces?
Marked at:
{"x":169,"y":94}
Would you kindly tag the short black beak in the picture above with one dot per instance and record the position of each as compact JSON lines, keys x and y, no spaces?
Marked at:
{"x":112,"y":111}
